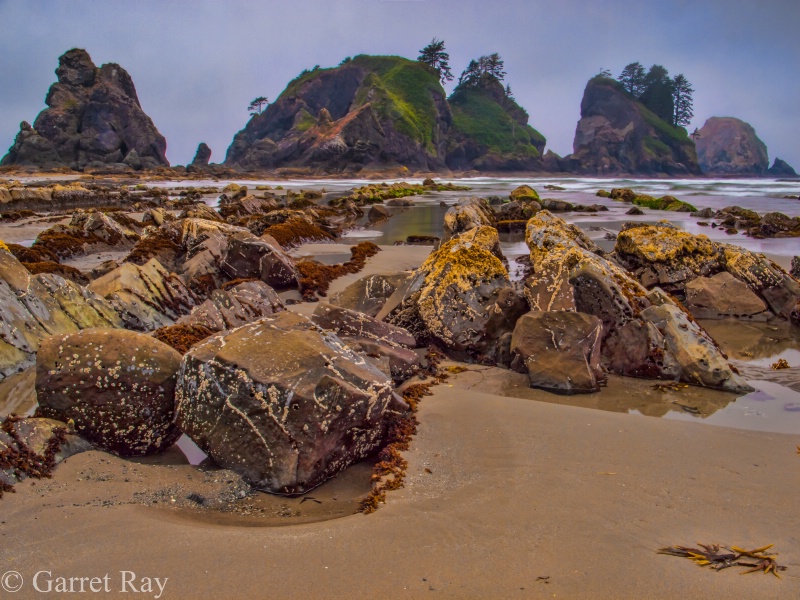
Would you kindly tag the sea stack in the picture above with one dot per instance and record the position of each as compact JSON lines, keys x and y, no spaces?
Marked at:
{"x":93,"y":122}
{"x":729,"y":146}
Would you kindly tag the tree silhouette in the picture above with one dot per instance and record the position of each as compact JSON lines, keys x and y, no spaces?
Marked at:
{"x":483,"y":71}
{"x":682,"y":99}
{"x":258,"y":105}
{"x":632,"y":79}
{"x":657,"y":94}
{"x":434,"y":56}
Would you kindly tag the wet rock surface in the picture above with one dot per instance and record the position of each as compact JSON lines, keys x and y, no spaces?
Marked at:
{"x":559,"y":350}
{"x":281,"y":402}
{"x":117,"y":387}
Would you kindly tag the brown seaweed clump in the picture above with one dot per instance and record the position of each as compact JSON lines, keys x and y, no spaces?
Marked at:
{"x":316,"y":278}
{"x":154,"y":246}
{"x":33,"y":254}
{"x":19,"y":458}
{"x":389,"y":473}
{"x":64,"y":271}
{"x":65,"y":245}
{"x":295,"y":231}
{"x":182,"y":337}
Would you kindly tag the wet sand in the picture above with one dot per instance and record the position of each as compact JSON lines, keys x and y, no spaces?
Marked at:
{"x":500,"y":492}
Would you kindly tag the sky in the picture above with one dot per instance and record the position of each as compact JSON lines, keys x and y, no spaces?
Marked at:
{"x":197,"y":64}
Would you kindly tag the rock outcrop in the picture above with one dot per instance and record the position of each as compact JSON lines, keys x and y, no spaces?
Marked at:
{"x":619,"y":135}
{"x":644,"y":335}
{"x":282,"y":403}
{"x":661,"y":255}
{"x":490,"y":131}
{"x":202,"y":156}
{"x":386,"y":112}
{"x":780,"y":168}
{"x":93,"y":121}
{"x":34,"y":307}
{"x":729,"y":146}
{"x":117,"y":387}
{"x":147,"y":296}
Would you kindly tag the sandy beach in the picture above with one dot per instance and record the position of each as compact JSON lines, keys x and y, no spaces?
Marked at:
{"x":510,"y":492}
{"x":505,"y":498}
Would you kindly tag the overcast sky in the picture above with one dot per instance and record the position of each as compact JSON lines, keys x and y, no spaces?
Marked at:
{"x":197,"y":64}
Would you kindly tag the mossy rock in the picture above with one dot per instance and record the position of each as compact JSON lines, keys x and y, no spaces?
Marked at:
{"x":603,"y":193}
{"x":524,"y":193}
{"x":669,"y":203}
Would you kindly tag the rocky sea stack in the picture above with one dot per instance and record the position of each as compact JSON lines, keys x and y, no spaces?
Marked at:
{"x":386,"y":112}
{"x":619,"y":135}
{"x":93,"y":122}
{"x":729,"y":146}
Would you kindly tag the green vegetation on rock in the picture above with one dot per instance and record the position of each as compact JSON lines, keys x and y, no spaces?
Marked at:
{"x":664,"y":203}
{"x":478,"y":114}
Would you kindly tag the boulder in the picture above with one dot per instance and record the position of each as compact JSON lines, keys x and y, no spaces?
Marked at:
{"x":795,"y":268}
{"x":116,"y":386}
{"x":567,"y":275}
{"x":467,"y":214}
{"x":93,"y":121}
{"x":524,"y":193}
{"x":369,"y":294}
{"x":231,"y":308}
{"x":449,"y":297}
{"x":723,"y":296}
{"x":200,"y":211}
{"x":354,"y":324}
{"x":560,"y":350}
{"x":146,"y":296}
{"x":249,"y":257}
{"x":282,"y":403}
{"x":378,"y":213}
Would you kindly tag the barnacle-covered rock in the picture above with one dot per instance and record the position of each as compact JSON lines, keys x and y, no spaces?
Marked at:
{"x":282,"y":403}
{"x":116,"y":386}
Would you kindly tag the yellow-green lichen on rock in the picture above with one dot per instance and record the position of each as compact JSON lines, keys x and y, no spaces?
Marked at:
{"x":655,"y":243}
{"x":3,"y":246}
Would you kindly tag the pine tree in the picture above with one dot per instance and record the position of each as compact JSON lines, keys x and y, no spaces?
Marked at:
{"x":657,"y":94}
{"x":495,"y":66}
{"x":434,"y":56}
{"x":257,"y":106}
{"x":682,"y":99}
{"x":482,"y":71}
{"x":632,"y":79}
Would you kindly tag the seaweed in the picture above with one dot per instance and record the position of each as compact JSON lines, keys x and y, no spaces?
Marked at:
{"x":64,"y":271}
{"x":34,"y":254}
{"x":714,"y":556}
{"x":295,"y":231}
{"x":182,"y":337}
{"x":20,"y":458}
{"x":315,"y":277}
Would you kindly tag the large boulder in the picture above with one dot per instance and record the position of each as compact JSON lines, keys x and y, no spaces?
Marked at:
{"x":34,"y":307}
{"x":282,"y":403}
{"x":146,"y":296}
{"x":202,"y":156}
{"x":780,"y":168}
{"x":729,"y":146}
{"x":117,"y":387}
{"x":560,"y":350}
{"x":249,"y":257}
{"x":93,"y":120}
{"x":450,"y":296}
